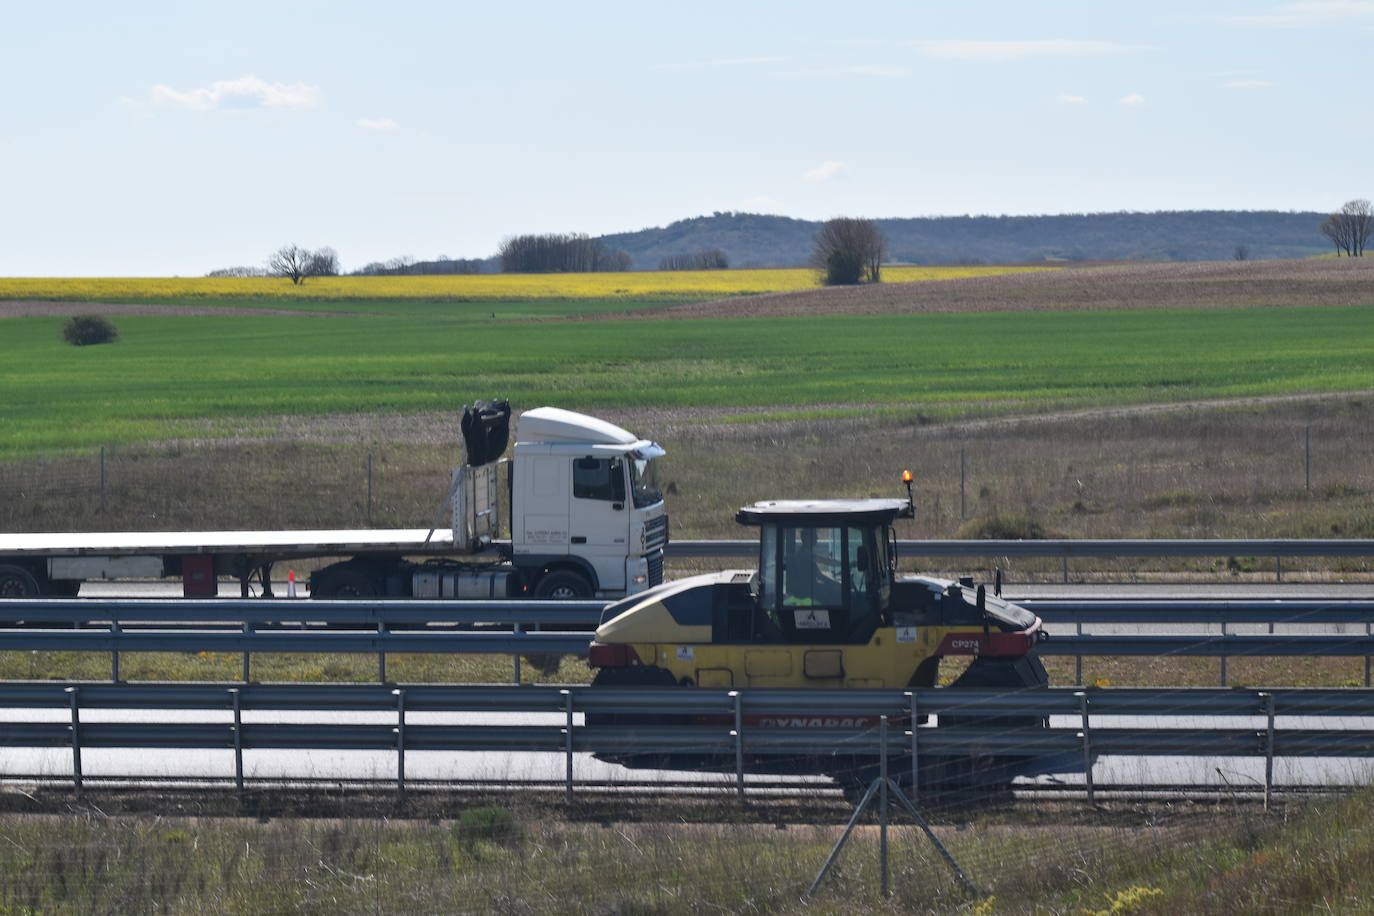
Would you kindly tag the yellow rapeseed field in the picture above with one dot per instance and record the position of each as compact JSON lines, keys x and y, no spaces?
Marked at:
{"x":657,"y":284}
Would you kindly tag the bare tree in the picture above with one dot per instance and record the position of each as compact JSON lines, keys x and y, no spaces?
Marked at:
{"x":849,"y":251}
{"x":296,"y":263}
{"x":1359,"y":217}
{"x":290,"y":261}
{"x":1350,"y":227}
{"x":1334,"y":229}
{"x":1242,"y":253}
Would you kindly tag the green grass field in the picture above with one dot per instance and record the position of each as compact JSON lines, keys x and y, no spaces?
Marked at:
{"x":168,"y":373}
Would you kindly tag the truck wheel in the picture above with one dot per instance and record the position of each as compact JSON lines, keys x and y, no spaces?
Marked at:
{"x":18,"y":582}
{"x":563,"y":586}
{"x":343,"y":581}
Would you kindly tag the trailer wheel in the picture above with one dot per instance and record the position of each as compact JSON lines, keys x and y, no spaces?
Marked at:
{"x":18,"y":582}
{"x":563,"y":585}
{"x":343,"y":581}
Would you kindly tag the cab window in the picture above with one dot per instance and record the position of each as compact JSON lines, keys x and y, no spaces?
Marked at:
{"x":599,"y":478}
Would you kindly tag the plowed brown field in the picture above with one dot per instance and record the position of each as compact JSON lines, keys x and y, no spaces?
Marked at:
{"x":1168,"y":285}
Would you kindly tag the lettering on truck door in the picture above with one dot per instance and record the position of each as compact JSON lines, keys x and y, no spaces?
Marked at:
{"x":546,"y":515}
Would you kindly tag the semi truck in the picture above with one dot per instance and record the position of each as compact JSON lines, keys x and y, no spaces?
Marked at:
{"x":585,"y":520}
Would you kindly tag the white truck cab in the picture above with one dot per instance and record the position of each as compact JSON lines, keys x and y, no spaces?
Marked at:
{"x":584,"y":505}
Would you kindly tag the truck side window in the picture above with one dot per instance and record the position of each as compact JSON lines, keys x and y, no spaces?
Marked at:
{"x":599,"y":478}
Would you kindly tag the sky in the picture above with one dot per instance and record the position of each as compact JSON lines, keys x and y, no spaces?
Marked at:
{"x":171,"y":139}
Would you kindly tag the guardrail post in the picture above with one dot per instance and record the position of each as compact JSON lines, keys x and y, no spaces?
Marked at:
{"x":1078,"y":659}
{"x":1086,"y":735}
{"x":915,"y":759}
{"x":1223,"y":657}
{"x":739,"y":741}
{"x":1366,"y":658}
{"x":238,"y":739}
{"x":882,"y":805}
{"x":568,"y":742}
{"x":245,"y":655}
{"x":114,"y":652}
{"x":400,"y":744}
{"x":76,"y":738}
{"x":1268,"y":747}
{"x":1278,"y":568}
{"x":381,"y":656}
{"x":517,"y":631}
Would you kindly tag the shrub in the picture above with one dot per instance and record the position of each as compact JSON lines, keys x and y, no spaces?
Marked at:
{"x":1003,"y":528}
{"x":83,"y":330}
{"x":490,"y":823}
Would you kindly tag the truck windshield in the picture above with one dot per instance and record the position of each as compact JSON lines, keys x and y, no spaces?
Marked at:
{"x":644,"y":483}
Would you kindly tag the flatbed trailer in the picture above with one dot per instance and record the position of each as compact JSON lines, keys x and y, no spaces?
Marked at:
{"x":585,"y":521}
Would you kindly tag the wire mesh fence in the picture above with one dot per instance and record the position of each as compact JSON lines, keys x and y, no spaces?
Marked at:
{"x":281,"y":485}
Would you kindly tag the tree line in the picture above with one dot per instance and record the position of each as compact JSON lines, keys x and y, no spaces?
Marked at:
{"x":572,"y":252}
{"x":711,"y":259}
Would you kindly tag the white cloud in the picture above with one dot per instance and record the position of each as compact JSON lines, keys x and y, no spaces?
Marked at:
{"x":878,"y":70}
{"x":1310,"y":12}
{"x":244,"y":92}
{"x":377,"y":124}
{"x":1065,"y":98}
{"x":1017,"y":50}
{"x":1248,"y":84}
{"x":826,"y":171}
{"x":1135,"y":98}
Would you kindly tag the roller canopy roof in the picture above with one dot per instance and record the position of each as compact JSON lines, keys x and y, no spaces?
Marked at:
{"x":823,"y":511}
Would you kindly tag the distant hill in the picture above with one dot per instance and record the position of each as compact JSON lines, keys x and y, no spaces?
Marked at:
{"x":759,"y":240}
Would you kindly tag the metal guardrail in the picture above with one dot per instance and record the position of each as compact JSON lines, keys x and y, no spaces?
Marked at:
{"x":274,"y":612}
{"x":726,"y":724}
{"x":382,"y":627}
{"x":1071,"y":547}
{"x":1067,"y":549}
{"x":279,"y":611}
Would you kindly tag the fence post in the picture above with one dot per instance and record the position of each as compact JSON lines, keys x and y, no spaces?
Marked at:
{"x":400,"y":744}
{"x":369,"y":490}
{"x":238,"y":739}
{"x":76,"y":738}
{"x":1307,"y":457}
{"x":568,"y":741}
{"x":963,"y":514}
{"x":102,"y":478}
{"x":516,"y":630}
